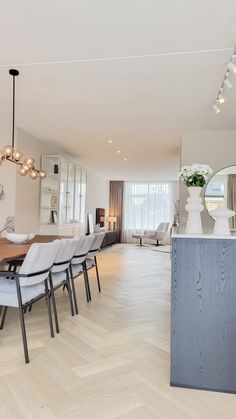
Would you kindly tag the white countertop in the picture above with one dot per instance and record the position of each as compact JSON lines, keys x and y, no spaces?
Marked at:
{"x":201,"y":236}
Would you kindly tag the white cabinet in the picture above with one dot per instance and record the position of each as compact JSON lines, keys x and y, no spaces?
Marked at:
{"x":63,"y":192}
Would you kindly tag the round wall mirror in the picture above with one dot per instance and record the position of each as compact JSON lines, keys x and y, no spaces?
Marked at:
{"x":221,"y":190}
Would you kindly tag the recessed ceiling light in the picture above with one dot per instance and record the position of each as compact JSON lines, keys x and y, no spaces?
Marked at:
{"x":125,"y":159}
{"x":118,"y":151}
{"x":110,"y":141}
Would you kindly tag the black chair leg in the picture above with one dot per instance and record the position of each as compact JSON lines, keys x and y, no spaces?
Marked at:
{"x":23,"y":332}
{"x":87,"y":280}
{"x":54,"y":304}
{"x":86,"y":287}
{"x":49,"y":308}
{"x":73,"y":290}
{"x":65,"y":287}
{"x":22,"y":322}
{"x":69,"y":292}
{"x":3,"y":317}
{"x":98,"y":280}
{"x":74,"y":295}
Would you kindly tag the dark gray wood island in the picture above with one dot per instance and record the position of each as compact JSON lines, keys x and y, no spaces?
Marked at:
{"x":203,"y":312}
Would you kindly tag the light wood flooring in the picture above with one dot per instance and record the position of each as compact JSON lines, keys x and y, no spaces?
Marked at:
{"x":111,"y":361}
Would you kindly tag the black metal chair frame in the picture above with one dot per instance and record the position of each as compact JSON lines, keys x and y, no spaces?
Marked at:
{"x":94,"y":266}
{"x":22,"y":307}
{"x":65,"y":283}
{"x":86,"y":281}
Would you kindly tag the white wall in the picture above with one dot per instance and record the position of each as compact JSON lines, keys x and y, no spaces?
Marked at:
{"x":27,"y":201}
{"x":8,"y":180}
{"x":97,"y":193}
{"x":27,"y":190}
{"x":215,"y":148}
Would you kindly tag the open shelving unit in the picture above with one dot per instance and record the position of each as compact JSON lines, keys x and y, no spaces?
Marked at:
{"x":62,"y":196}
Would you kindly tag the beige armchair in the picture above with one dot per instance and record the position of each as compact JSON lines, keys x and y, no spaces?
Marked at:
{"x":157,"y":235}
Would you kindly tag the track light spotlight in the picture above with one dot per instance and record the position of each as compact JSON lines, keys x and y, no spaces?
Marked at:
{"x":216,"y":108}
{"x":232,"y":66}
{"x":227,"y":82}
{"x":220,"y":99}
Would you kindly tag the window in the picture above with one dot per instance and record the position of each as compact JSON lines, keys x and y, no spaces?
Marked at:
{"x":146,"y":205}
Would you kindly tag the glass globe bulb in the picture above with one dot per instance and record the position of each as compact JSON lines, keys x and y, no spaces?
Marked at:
{"x":34,"y":174}
{"x":26,"y":167}
{"x":42,"y":174}
{"x":22,"y":171}
{"x":8,"y":150}
{"x":17,"y":155}
{"x":29,"y":161}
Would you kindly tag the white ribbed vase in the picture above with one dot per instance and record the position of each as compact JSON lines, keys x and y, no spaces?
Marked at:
{"x":194,"y":207}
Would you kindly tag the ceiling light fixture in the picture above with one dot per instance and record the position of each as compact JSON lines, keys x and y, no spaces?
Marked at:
{"x":118,"y":151}
{"x":10,"y":153}
{"x":110,"y":141}
{"x":231,"y":67}
{"x":125,"y":159}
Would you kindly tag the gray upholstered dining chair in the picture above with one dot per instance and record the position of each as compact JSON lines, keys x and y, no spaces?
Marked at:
{"x":91,"y":259}
{"x":60,"y":274}
{"x":78,"y":267}
{"x":22,"y":289}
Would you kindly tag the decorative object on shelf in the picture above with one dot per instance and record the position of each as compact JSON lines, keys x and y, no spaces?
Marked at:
{"x":100,"y":216}
{"x":2,"y":193}
{"x":9,"y":225}
{"x":54,"y":217}
{"x":194,"y":177}
{"x":19,"y":238}
{"x":112,"y":222}
{"x":56,"y":169}
{"x":11,"y":154}
{"x":176,"y":219}
{"x":97,"y":228}
{"x":54,"y":201}
{"x":222,"y":215}
{"x":90,"y":225}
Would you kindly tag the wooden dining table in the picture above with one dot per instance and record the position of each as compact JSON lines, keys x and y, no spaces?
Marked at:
{"x":10,"y":251}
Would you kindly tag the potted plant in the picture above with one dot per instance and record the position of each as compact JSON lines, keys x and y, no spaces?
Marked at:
{"x":195,"y":177}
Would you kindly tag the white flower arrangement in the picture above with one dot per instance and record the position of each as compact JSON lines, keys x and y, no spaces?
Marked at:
{"x":195,"y":175}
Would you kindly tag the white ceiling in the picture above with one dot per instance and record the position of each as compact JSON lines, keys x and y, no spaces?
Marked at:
{"x":142,"y":103}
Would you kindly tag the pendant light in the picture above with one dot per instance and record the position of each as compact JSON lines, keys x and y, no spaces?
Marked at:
{"x":10,"y":153}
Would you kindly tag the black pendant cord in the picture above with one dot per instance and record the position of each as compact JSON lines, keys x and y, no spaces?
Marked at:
{"x":13,"y":112}
{"x":13,"y":73}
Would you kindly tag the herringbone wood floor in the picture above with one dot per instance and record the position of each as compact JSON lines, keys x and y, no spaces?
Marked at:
{"x":111,"y":361}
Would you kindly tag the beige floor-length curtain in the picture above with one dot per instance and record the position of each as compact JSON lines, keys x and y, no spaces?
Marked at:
{"x":231,"y":198}
{"x":116,"y":203}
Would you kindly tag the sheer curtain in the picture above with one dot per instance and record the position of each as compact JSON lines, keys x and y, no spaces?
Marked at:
{"x":146,"y":205}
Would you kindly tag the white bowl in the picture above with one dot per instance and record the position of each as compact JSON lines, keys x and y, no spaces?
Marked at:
{"x":19,"y":238}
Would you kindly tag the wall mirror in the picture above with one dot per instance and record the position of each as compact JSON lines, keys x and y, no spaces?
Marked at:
{"x":221,"y":190}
